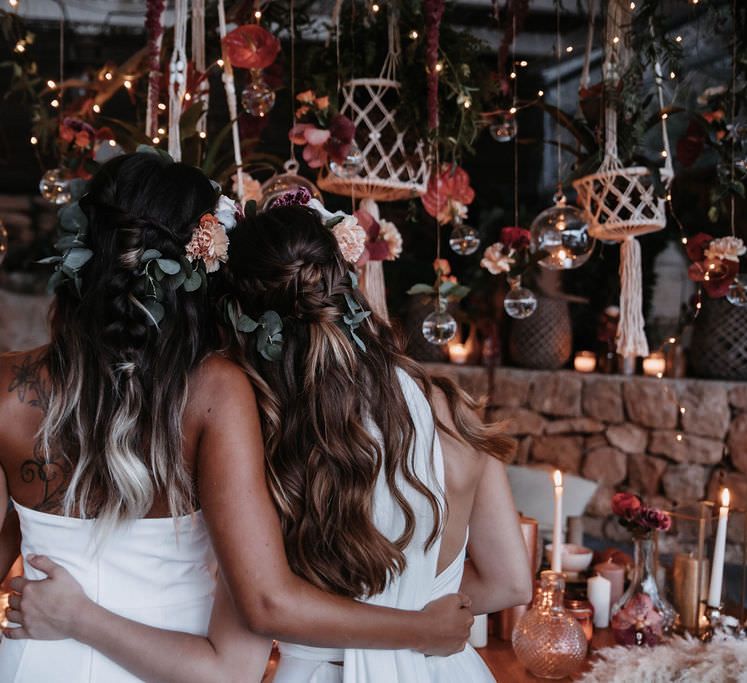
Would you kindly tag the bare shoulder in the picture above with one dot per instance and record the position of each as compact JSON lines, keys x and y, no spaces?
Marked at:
{"x":217,"y":380}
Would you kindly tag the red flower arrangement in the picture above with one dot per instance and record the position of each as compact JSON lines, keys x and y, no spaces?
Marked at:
{"x":448,"y":194}
{"x":251,"y":47}
{"x":76,"y":140}
{"x":715,"y":262}
{"x":638,"y":518}
{"x":383,"y":239}
{"x":323,"y":133}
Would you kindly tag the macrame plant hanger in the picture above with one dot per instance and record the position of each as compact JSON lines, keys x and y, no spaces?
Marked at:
{"x":198,"y":56}
{"x":229,"y":85}
{"x":621,"y":202}
{"x":154,"y":22}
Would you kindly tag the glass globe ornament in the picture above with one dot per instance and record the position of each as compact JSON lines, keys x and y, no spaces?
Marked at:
{"x":547,"y":640}
{"x":737,"y":293}
{"x":257,"y":98}
{"x":285,"y":183}
{"x":351,"y":165}
{"x":519,"y":302}
{"x":464,"y":239}
{"x":3,"y":242}
{"x":439,"y":327}
{"x":504,"y":127}
{"x":563,"y":233}
{"x":54,"y":186}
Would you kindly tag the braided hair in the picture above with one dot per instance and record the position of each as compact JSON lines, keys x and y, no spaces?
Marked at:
{"x":318,"y":400}
{"x":118,"y":385}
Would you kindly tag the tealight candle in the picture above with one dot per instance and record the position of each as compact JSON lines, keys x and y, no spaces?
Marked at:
{"x":458,"y":353}
{"x":585,"y":361}
{"x":655,"y":365}
{"x":719,"y":551}
{"x":557,"y":530}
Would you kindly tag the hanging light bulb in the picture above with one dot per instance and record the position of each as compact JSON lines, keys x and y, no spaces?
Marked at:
{"x":562,"y":232}
{"x":351,"y":165}
{"x":503,"y":127}
{"x":464,"y":239}
{"x":284,"y":183}
{"x":737,"y":293}
{"x":439,"y":327}
{"x":257,"y":98}
{"x":519,"y":302}
{"x":55,"y":186}
{"x":3,"y":242}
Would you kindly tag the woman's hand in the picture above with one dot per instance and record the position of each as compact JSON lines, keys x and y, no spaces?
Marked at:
{"x":449,"y":621}
{"x":48,"y":609}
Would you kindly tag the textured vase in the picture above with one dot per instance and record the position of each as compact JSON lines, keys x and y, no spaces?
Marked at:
{"x":642,"y":616}
{"x":719,"y":344}
{"x":544,"y":340}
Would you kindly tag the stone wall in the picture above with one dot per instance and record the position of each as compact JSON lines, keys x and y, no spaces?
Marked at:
{"x":672,"y":441}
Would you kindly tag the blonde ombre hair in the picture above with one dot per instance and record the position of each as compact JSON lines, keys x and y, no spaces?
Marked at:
{"x":118,"y":384}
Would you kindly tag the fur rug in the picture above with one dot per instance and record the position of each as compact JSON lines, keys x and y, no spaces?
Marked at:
{"x":682,"y":660}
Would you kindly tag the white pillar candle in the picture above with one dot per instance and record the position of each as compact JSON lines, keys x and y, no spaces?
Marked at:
{"x":719,"y":551}
{"x":599,"y":590}
{"x":478,"y":635}
{"x":557,"y":530}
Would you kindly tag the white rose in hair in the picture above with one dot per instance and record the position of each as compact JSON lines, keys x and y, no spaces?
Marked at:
{"x":225,"y":211}
{"x":351,"y":238}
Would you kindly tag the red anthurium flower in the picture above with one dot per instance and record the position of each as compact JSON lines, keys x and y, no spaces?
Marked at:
{"x":516,"y":238}
{"x":342,"y":131}
{"x":450,"y":185}
{"x":251,"y":47}
{"x":696,"y":246}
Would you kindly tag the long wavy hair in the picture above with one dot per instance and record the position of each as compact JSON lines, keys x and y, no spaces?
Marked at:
{"x":117,"y":384}
{"x":315,"y":403}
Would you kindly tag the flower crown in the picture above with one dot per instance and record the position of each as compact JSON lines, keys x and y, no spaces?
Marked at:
{"x":204,"y":253}
{"x":351,"y":237}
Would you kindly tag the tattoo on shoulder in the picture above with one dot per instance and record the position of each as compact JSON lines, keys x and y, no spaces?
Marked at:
{"x":27,"y":382}
{"x":52,"y":474}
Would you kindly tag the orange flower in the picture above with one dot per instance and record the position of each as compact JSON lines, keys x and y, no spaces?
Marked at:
{"x":322,"y":102}
{"x":302,"y":111}
{"x":306,"y":97}
{"x":82,"y":139}
{"x":67,"y":134}
{"x":441,"y":264}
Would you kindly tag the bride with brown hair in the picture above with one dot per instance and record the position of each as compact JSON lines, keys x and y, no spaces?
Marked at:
{"x":127,"y":442}
{"x":378,"y":473}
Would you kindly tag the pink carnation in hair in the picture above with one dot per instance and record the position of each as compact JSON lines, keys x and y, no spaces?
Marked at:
{"x":209,"y":242}
{"x":351,"y":238}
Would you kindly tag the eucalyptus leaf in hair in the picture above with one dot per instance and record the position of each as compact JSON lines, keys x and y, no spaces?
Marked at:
{"x":353,"y":318}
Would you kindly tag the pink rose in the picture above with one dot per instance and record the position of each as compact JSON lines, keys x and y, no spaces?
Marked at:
{"x":516,"y":238}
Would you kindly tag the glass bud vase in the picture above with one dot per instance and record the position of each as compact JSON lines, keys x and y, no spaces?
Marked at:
{"x":547,"y":640}
{"x":642,"y":616}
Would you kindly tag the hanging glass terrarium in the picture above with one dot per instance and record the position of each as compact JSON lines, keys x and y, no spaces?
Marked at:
{"x":562,"y":233}
{"x":439,"y":327}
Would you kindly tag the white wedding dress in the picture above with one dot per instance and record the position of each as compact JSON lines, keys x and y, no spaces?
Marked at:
{"x":411,"y":590}
{"x":160,"y":572}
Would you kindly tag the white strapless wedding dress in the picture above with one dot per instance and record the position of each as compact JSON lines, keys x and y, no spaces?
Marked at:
{"x":160,"y":572}
{"x":411,"y":590}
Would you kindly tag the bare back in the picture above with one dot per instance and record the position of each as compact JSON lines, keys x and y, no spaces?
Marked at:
{"x":41,"y":485}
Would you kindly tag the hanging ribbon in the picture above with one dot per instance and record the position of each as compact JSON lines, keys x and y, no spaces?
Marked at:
{"x":631,"y":336}
{"x":154,"y":28}
{"x":230,"y":86}
{"x":198,"y":57}
{"x":178,"y":77}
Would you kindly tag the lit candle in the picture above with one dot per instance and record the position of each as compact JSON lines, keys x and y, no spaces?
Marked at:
{"x":458,"y":353}
{"x":585,"y":361}
{"x":598,"y":591}
{"x":719,"y":550}
{"x":557,"y":530}
{"x":655,"y":365}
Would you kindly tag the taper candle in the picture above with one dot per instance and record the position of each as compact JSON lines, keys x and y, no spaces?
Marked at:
{"x":557,"y":530}
{"x":719,"y":552}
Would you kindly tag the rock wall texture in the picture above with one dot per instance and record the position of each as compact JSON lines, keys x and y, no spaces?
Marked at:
{"x":674,"y":442}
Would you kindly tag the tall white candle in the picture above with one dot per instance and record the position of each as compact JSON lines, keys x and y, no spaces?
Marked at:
{"x":557,"y":530}
{"x":599,"y":592}
{"x":719,"y":550}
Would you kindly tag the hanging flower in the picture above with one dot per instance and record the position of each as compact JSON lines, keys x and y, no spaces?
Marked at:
{"x":715,"y":262}
{"x":209,"y":243}
{"x":448,"y":194}
{"x":341,"y":131}
{"x":383,"y":240}
{"x":322,"y":144}
{"x":393,"y":238}
{"x":251,"y":47}
{"x":441,"y":266}
{"x":497,"y":259}
{"x":516,"y":238}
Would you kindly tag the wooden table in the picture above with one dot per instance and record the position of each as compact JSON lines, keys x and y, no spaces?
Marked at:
{"x":500,"y":658}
